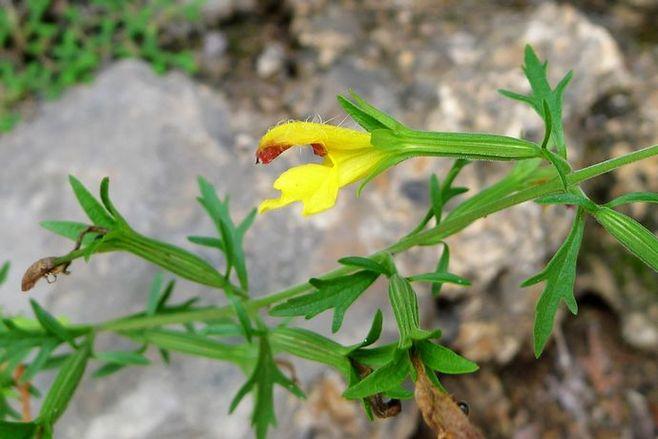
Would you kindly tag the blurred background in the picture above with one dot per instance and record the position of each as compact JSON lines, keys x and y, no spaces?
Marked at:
{"x":154,"y":93}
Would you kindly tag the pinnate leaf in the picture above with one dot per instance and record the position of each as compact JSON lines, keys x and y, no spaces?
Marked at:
{"x":559,"y":275}
{"x":337,"y":293}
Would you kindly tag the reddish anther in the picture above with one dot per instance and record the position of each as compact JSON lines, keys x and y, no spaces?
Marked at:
{"x":266,"y":155}
{"x":319,"y":149}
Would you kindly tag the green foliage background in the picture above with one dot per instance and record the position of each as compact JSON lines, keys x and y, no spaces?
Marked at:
{"x":47,"y":46}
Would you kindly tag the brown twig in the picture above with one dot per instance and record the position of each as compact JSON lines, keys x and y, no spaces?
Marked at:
{"x":24,"y":392}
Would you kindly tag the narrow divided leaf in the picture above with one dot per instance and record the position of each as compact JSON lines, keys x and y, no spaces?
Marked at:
{"x":122,"y":357}
{"x":543,"y":99}
{"x":337,"y":293}
{"x":440,"y":278}
{"x":634,"y":197}
{"x":94,"y":210}
{"x":441,"y":267}
{"x":107,"y":202}
{"x":231,"y":236}
{"x":559,"y":275}
{"x":369,"y":117}
{"x":262,"y":380}
{"x":108,"y":369}
{"x":207,"y":241}
{"x":436,"y":198}
{"x":365,"y":263}
{"x":154,"y":294}
{"x":51,"y":325}
{"x":70,"y":229}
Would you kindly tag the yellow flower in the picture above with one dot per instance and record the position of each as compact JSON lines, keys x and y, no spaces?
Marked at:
{"x":348,"y":157}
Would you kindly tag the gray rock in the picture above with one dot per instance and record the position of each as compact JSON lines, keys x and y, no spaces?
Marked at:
{"x":217,"y":10}
{"x":213,"y":58}
{"x":271,"y":61}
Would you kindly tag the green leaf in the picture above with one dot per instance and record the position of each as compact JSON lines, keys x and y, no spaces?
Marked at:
{"x":246,"y":223}
{"x":51,"y":325}
{"x":366,"y":121}
{"x":436,"y":198}
{"x":94,"y":210}
{"x":365,"y":263}
{"x":536,"y":72}
{"x":240,"y":311}
{"x":561,"y":166}
{"x":107,"y":202}
{"x":207,"y":241}
{"x":442,"y":359}
{"x":107,"y":369}
{"x":194,"y":344}
{"x":440,"y":278}
{"x":40,"y":360}
{"x":560,"y":276}
{"x":634,"y":197}
{"x":71,"y":230}
{"x":232,"y":238}
{"x":398,"y":393}
{"x":375,"y":330}
{"x":388,"y":377}
{"x":18,"y":430}
{"x":122,"y":357}
{"x":441,"y":267}
{"x":369,"y":117}
{"x":338,"y":293}
{"x":4,"y":270}
{"x":632,"y":235}
{"x":263,"y":378}
{"x":405,"y":308}
{"x":154,"y":294}
{"x":158,"y":296}
{"x":64,"y":385}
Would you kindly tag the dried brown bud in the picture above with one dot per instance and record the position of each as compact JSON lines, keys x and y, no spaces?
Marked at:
{"x":440,"y":411}
{"x":44,"y":267}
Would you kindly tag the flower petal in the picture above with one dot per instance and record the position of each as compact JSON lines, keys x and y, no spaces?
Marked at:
{"x":307,"y":133}
{"x":314,"y":185}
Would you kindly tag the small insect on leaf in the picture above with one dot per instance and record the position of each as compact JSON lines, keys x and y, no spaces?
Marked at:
{"x":43,"y":268}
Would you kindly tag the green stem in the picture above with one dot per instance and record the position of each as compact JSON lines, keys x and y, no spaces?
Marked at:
{"x":448,"y":227}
